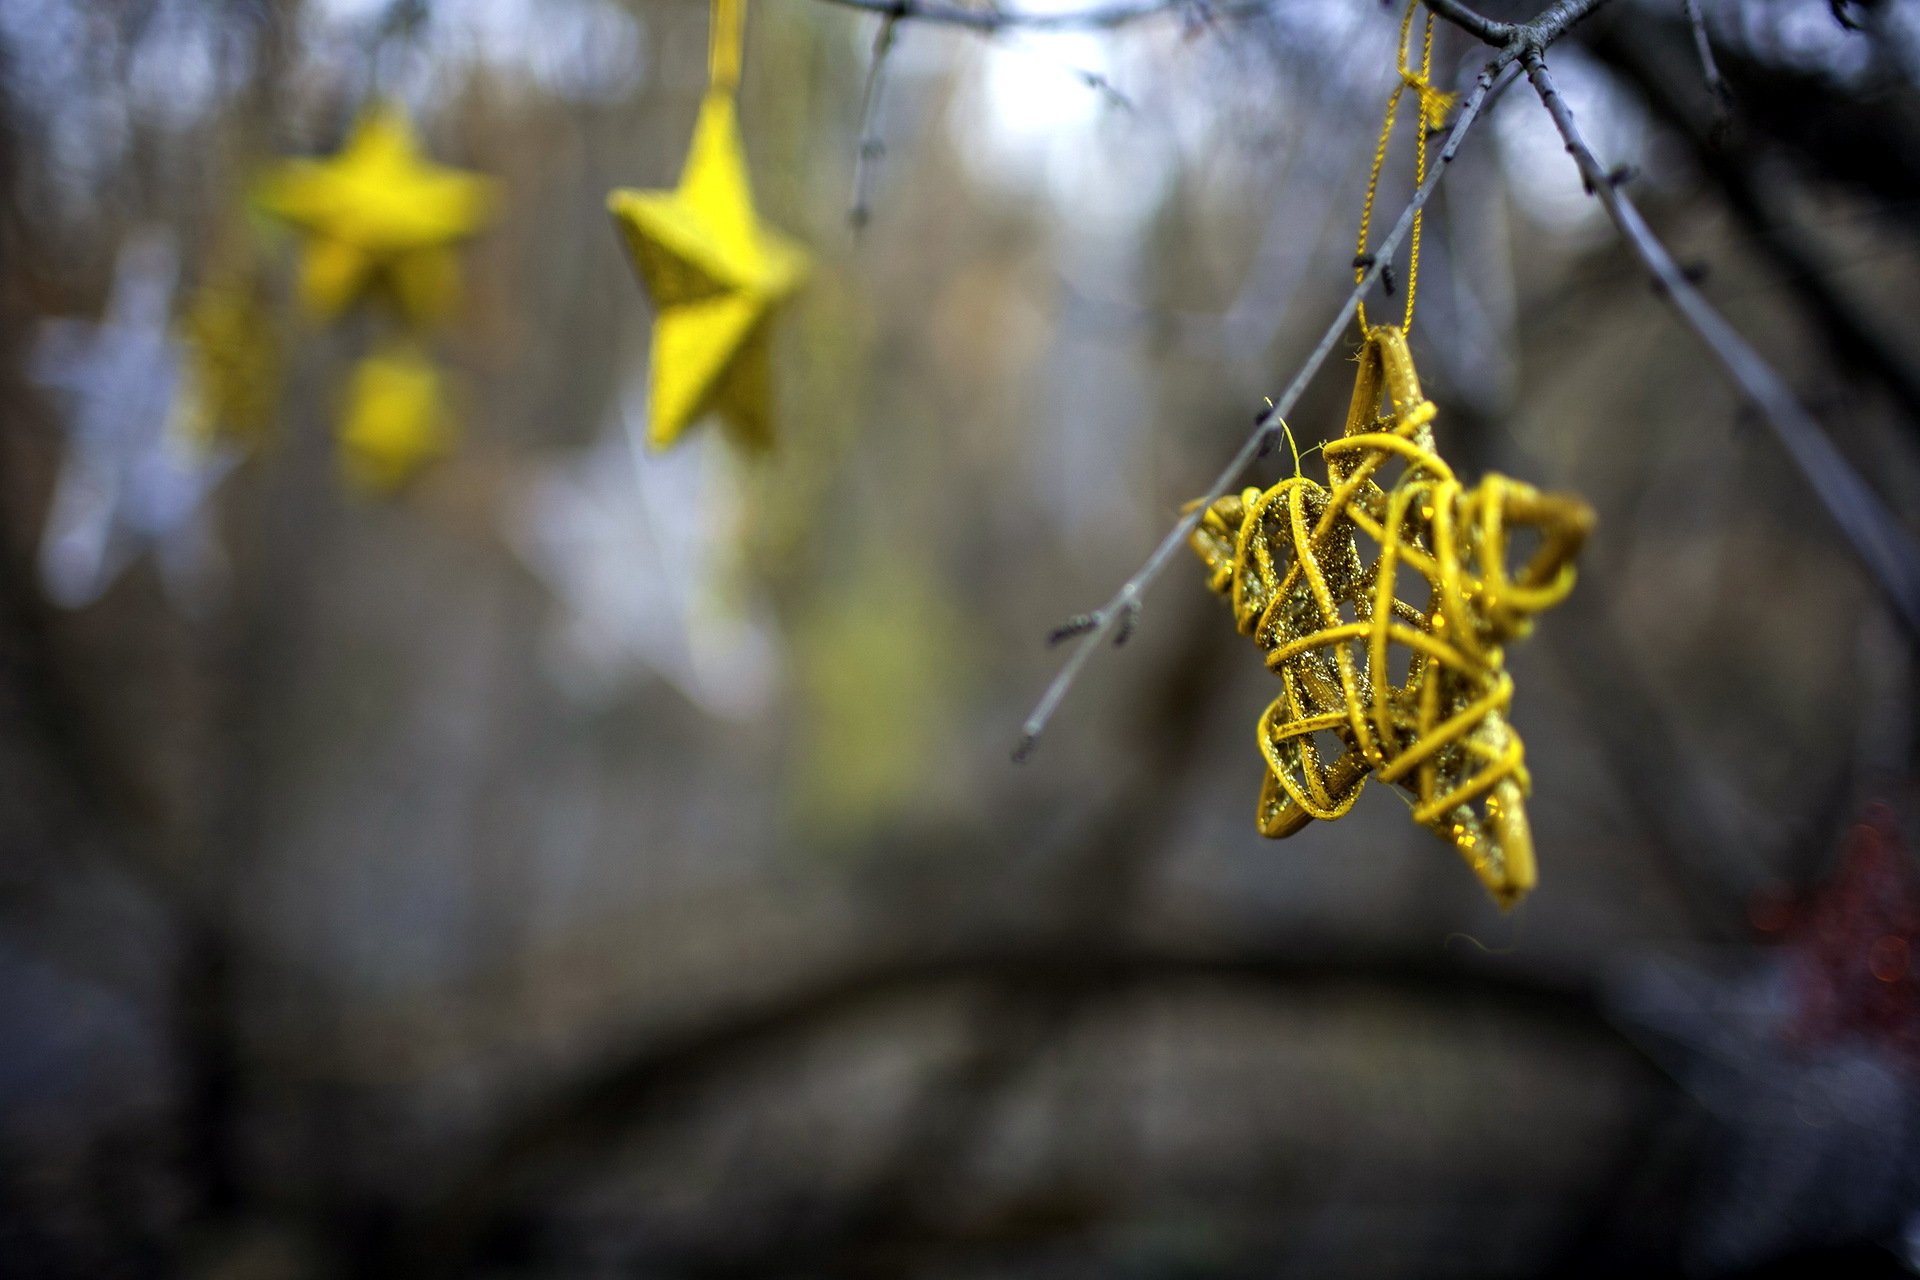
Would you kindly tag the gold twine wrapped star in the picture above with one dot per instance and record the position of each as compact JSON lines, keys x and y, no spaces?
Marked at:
{"x":1336,"y":626}
{"x":714,"y":271}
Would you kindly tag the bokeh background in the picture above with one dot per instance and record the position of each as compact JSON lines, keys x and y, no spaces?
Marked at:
{"x":590,"y":864}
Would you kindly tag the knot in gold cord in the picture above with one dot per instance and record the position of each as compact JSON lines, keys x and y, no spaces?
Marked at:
{"x":1435,"y":104}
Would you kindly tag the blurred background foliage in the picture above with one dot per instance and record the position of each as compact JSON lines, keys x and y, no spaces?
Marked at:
{"x":577,"y":865}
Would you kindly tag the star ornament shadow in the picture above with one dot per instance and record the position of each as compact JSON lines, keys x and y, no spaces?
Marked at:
{"x":715,"y":274}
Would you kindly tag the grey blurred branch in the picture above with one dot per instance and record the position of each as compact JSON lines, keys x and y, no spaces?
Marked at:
{"x":1511,"y":38}
{"x":1853,"y":339}
{"x":1709,"y":69}
{"x":639,"y":1086}
{"x":991,"y":18}
{"x":1883,"y":545}
{"x":867,"y":159}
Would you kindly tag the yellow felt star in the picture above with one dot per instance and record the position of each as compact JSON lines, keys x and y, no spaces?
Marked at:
{"x":232,"y":365}
{"x":396,"y":421}
{"x":380,"y":220}
{"x":715,"y":274}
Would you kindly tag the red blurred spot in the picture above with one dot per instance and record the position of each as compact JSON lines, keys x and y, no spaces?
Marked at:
{"x":1888,"y":959}
{"x":1867,"y":839}
{"x":1852,"y":942}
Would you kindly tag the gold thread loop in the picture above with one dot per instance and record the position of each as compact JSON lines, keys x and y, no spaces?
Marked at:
{"x":1434,"y":104}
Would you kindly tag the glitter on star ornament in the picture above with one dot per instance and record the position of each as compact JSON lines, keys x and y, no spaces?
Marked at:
{"x":381,"y":220}
{"x":133,"y":478}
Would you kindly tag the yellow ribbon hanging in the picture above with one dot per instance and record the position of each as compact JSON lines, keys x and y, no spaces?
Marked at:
{"x":1434,"y":105}
{"x":723,"y":46}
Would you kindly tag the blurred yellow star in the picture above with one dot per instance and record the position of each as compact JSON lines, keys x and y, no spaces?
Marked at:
{"x":715,"y":274}
{"x":232,"y":365}
{"x":380,"y":219}
{"x":396,"y":421}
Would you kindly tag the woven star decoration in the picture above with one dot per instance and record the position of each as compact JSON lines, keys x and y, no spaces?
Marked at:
{"x":396,"y":419}
{"x":715,"y":275}
{"x":381,"y":220}
{"x":1336,"y":628}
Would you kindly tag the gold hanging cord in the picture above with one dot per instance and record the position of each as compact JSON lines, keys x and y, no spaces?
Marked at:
{"x":723,"y":47}
{"x":1434,"y":106}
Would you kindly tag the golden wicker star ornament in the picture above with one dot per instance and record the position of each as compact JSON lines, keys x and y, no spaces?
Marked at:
{"x":1337,"y":627}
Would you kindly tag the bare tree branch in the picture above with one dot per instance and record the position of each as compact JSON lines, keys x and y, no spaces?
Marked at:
{"x":1553,"y":22}
{"x":1115,"y":619}
{"x":1474,"y":24}
{"x":1118,"y":616}
{"x":637,"y":1087}
{"x":990,"y":19}
{"x":866,"y":160}
{"x":1558,"y":19}
{"x":1885,"y":547}
{"x":1709,"y":69}
{"x":1651,"y":64}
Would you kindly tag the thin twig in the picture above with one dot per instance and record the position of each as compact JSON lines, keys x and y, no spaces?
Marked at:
{"x":1116,"y":618}
{"x":1848,"y":330}
{"x":1553,"y":22}
{"x":1559,"y":18}
{"x":1889,"y":552}
{"x":1710,"y":70}
{"x":1119,"y":14}
{"x":1474,"y":24}
{"x":867,"y":160}
{"x":1550,"y":25}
